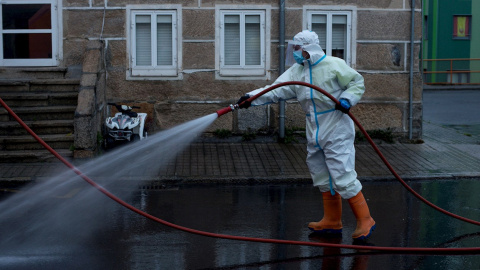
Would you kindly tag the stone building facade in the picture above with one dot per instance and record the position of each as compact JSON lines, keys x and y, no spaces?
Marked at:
{"x":199,"y":77}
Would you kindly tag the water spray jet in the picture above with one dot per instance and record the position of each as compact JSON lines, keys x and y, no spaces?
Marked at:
{"x":473,"y":250}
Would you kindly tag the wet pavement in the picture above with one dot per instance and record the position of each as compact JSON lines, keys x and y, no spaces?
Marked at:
{"x":99,"y":234}
{"x":256,"y":189}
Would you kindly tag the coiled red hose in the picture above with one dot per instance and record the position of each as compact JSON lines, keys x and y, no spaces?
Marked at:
{"x":471,"y":250}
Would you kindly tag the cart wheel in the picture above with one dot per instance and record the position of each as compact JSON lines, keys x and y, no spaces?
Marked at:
{"x":108,"y":143}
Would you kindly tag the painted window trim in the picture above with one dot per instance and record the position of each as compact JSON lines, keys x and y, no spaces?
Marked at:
{"x":160,"y":72}
{"x":57,"y":37}
{"x":351,"y":12}
{"x":246,"y":72}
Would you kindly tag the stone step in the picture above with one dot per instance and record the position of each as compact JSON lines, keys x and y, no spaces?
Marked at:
{"x":40,"y":113}
{"x":43,"y":127}
{"x":31,"y":99}
{"x":29,"y":156}
{"x":33,"y":72}
{"x":55,"y":85}
{"x":39,"y":85}
{"x":27,"y":142}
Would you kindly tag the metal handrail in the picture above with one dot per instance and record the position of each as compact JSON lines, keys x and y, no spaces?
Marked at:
{"x":449,"y":72}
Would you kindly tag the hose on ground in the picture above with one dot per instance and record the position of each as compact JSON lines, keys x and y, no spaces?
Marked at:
{"x":467,"y":250}
{"x":377,"y":150}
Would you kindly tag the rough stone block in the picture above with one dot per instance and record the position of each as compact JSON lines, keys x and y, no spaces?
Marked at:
{"x":95,"y":45}
{"x":293,"y":23}
{"x":88,"y":23}
{"x":362,"y":4}
{"x":100,"y":90}
{"x":381,"y":57}
{"x":213,"y":3}
{"x":380,"y":116}
{"x":416,"y":57}
{"x":386,"y":25}
{"x":99,"y":3}
{"x":114,"y":23}
{"x":86,"y":103}
{"x":294,"y":115}
{"x":168,"y":115}
{"x":274,"y":58}
{"x":382,"y":86}
{"x":88,"y":80}
{"x":199,"y":55}
{"x":76,"y":3}
{"x":91,"y":62}
{"x":116,"y":55}
{"x":253,"y":119}
{"x":82,"y":23}
{"x":199,"y":24}
{"x":85,"y":133}
{"x":148,"y":3}
{"x":393,"y":87}
{"x":73,"y":51}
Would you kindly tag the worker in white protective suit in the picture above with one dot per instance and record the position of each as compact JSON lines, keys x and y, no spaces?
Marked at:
{"x":330,"y":132}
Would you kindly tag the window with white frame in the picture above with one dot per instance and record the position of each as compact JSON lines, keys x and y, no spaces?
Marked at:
{"x":153,"y":43}
{"x":334,"y":32}
{"x":29,"y":33}
{"x":242,"y":43}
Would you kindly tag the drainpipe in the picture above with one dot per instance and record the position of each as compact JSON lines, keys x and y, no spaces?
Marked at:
{"x":412,"y":48}
{"x":281,"y":65}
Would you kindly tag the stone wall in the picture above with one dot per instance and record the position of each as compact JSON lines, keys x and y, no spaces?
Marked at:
{"x":381,"y":47}
{"x":90,"y":112}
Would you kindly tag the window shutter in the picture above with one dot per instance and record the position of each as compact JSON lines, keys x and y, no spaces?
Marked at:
{"x":143,"y":40}
{"x":252,"y":40}
{"x":319,"y":26}
{"x":339,"y":31}
{"x":164,"y":40}
{"x":232,"y":40}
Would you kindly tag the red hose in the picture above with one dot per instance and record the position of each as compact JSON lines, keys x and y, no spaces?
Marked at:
{"x":371,"y":143}
{"x":471,"y":250}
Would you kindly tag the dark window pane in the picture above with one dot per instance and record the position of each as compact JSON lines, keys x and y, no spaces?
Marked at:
{"x":30,"y":16}
{"x":27,"y":46}
{"x":338,"y":53}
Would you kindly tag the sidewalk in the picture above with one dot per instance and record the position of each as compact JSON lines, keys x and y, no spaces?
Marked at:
{"x":445,"y":154}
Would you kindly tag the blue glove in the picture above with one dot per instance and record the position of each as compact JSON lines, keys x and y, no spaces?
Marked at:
{"x":344,"y":105}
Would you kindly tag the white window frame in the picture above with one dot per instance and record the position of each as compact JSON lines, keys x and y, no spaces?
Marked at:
{"x":242,"y":71}
{"x":164,"y":72}
{"x":55,"y":31}
{"x":329,"y":11}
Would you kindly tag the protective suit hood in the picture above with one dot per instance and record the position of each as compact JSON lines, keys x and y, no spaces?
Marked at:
{"x":311,"y":44}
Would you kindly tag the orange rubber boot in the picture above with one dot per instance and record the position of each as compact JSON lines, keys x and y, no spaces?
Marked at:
{"x":332,"y":215}
{"x":365,"y":223}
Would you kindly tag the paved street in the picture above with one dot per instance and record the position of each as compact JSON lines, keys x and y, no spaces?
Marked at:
{"x":265,"y":191}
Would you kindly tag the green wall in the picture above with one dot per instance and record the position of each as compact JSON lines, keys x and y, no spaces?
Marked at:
{"x":440,"y":43}
{"x":475,"y":42}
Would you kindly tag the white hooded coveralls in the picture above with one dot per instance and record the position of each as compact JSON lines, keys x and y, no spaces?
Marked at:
{"x":330,"y":133}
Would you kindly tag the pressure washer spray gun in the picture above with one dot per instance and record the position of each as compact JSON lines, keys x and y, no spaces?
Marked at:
{"x":233,"y":107}
{"x":228,"y":109}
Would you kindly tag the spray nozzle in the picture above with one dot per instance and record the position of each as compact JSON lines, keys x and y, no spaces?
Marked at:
{"x":227,"y":109}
